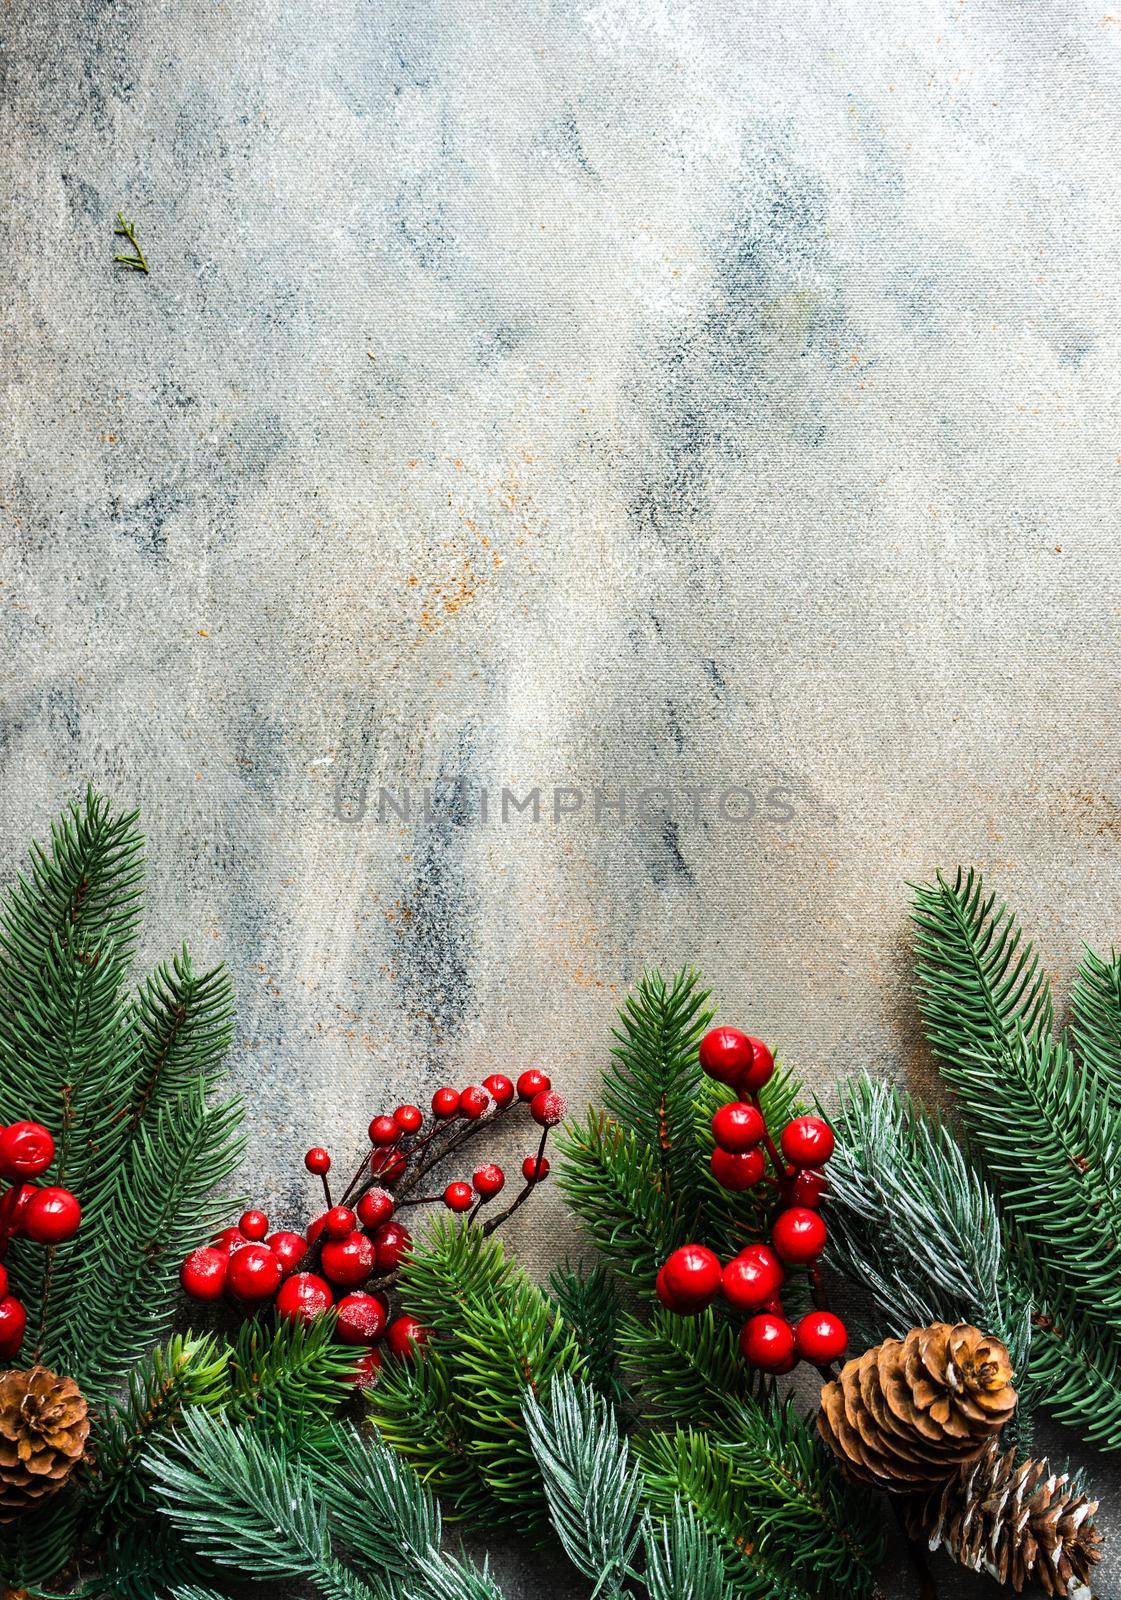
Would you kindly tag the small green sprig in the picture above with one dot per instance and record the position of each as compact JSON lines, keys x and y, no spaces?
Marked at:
{"x":137,"y":262}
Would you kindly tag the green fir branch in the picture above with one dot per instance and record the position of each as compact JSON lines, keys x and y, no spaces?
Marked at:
{"x":619,"y":1190}
{"x":589,"y":1302}
{"x":685,"y":1369}
{"x":1096,"y":1019}
{"x":417,"y":1411}
{"x":682,"y":1559}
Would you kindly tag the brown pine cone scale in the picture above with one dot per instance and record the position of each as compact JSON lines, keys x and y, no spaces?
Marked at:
{"x":44,"y":1424}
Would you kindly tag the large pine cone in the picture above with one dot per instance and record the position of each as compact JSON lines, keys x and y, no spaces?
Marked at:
{"x":1021,"y":1524}
{"x":44,"y":1424}
{"x":909,"y":1412}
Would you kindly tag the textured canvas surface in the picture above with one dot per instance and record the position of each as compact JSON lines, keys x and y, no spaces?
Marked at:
{"x":569,"y":397}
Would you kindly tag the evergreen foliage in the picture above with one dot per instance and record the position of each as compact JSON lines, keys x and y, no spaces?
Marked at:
{"x":685,"y":1369}
{"x":589,"y":1302}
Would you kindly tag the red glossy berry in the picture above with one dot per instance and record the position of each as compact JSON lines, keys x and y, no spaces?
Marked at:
{"x":288,"y":1248}
{"x":50,"y":1216}
{"x":667,"y":1297}
{"x":408,"y":1118}
{"x":3,"y":1281}
{"x":362,"y":1318}
{"x":384,"y":1130}
{"x":375,"y":1206}
{"x":348,"y":1261}
{"x":315,"y":1227}
{"x":229,"y":1239}
{"x":798,"y":1235}
{"x":726,"y":1054}
{"x":253,"y":1273}
{"x":445,"y":1103}
{"x":738,"y":1127}
{"x":820,"y":1337}
{"x":807,"y":1142}
{"x":459,"y":1197}
{"x":203,"y":1273}
{"x":388,"y":1165}
{"x":23,"y":1200}
{"x":548,"y":1108}
{"x":366,"y":1372}
{"x":759,"y":1073}
{"x":339,"y":1222}
{"x":26,"y":1150}
{"x":253,"y":1225}
{"x":752,"y":1278}
{"x":767,"y":1342}
{"x":693,"y":1276}
{"x":532,"y":1082}
{"x":804,"y":1189}
{"x":317,"y":1160}
{"x":500,"y":1088}
{"x":535,"y":1169}
{"x":736,"y":1172}
{"x":303,"y":1297}
{"x":404,"y":1334}
{"x":473,"y":1101}
{"x":13,"y":1326}
{"x":488,"y":1179}
{"x":392,"y":1242}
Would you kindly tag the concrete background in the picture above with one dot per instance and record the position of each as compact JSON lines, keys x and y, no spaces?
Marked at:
{"x":575,"y":396}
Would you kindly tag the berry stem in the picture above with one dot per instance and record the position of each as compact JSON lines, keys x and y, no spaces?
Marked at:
{"x":818,"y":1292}
{"x":768,"y":1143}
{"x":418,"y":1200}
{"x":453,"y":1143}
{"x":520,"y":1199}
{"x":326,"y":1190}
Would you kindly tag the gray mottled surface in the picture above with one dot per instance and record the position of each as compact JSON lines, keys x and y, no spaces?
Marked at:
{"x":566,"y":395}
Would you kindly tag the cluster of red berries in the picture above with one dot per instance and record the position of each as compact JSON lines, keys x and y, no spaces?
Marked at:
{"x":752,"y":1281}
{"x":348,"y":1256}
{"x":47,"y":1215}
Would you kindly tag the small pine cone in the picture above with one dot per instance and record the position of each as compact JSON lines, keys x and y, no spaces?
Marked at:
{"x":1020,"y":1524}
{"x":44,"y":1424}
{"x":910,"y":1411}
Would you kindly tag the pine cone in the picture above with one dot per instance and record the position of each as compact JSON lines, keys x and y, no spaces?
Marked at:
{"x":44,"y":1423}
{"x":909,"y":1412}
{"x":1021,"y":1524}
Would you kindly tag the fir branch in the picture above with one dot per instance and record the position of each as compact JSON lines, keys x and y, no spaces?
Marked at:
{"x":650,"y":1087}
{"x":686,"y":1369}
{"x":589,"y":1303}
{"x":183,"y":1020}
{"x":615,"y":1184}
{"x":289,"y":1377}
{"x":35,"y":1547}
{"x":137,"y":262}
{"x":682,"y":1559}
{"x":590,"y":1484}
{"x":1096,"y":1019}
{"x":381,"y":1513}
{"x":417,"y":1411}
{"x":446,"y":1578}
{"x":1075,"y":1366}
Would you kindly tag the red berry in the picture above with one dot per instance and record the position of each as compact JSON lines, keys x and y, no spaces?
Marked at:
{"x":668,"y":1299}
{"x":203,"y":1274}
{"x":804,"y":1189}
{"x":315,"y":1227}
{"x":384,"y":1130}
{"x":253,"y":1225}
{"x":767,"y":1341}
{"x":26,"y":1150}
{"x":50,"y":1216}
{"x":726,"y":1054}
{"x":23,"y":1200}
{"x":339,"y":1222}
{"x":408,"y":1118}
{"x":500,"y":1089}
{"x":533,"y":1082}
{"x":392,"y":1241}
{"x":228,"y":1240}
{"x":752,"y":1278}
{"x":759,"y":1073}
{"x":488,"y":1179}
{"x":317,"y":1160}
{"x":459,"y":1197}
{"x":736,"y":1172}
{"x":366,"y":1372}
{"x":548,"y":1108}
{"x":374,"y":1207}
{"x":738,"y":1127}
{"x":288,"y":1248}
{"x":807,"y":1142}
{"x":362,"y":1318}
{"x":820,"y":1337}
{"x":693,"y":1276}
{"x":388,"y":1165}
{"x":253,"y":1273}
{"x":13,"y":1325}
{"x":348,"y":1261}
{"x":535,"y":1169}
{"x":3,"y":1281}
{"x":303,"y":1297}
{"x":404,"y":1334}
{"x":445,"y":1103}
{"x":473,"y":1102}
{"x":798,"y":1234}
